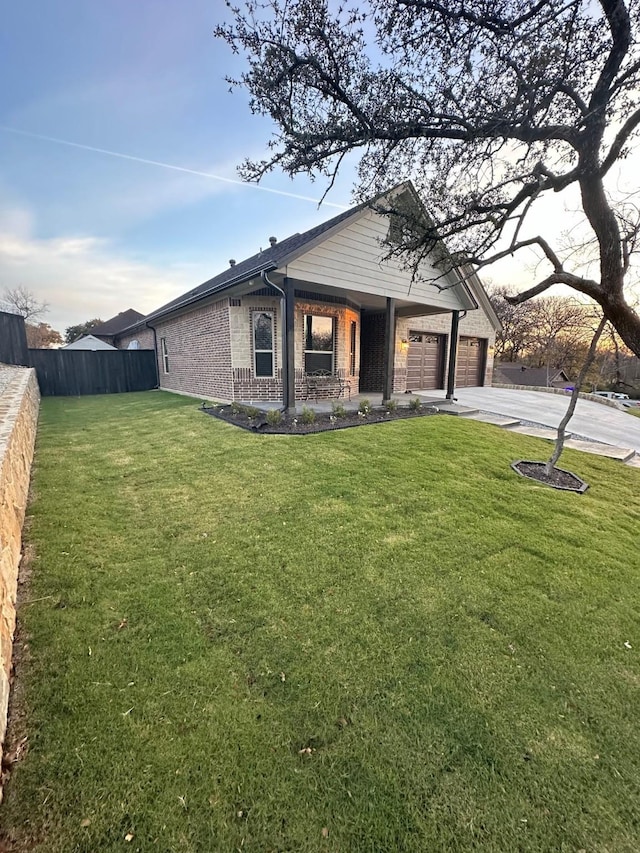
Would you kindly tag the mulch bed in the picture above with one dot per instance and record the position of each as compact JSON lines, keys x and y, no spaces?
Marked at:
{"x":256,"y":419}
{"x":559,"y":479}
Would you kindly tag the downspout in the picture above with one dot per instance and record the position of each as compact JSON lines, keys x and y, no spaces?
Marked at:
{"x":283,"y":357}
{"x":155,"y":349}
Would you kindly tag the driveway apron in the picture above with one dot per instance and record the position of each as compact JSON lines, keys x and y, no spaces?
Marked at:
{"x":591,"y":420}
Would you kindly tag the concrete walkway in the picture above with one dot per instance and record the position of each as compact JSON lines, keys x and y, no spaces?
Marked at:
{"x":591,"y":420}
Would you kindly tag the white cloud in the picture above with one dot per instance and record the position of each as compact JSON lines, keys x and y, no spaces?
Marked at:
{"x":83,"y":277}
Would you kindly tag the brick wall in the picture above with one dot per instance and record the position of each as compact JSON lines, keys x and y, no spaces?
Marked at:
{"x":210,"y":349}
{"x":246,"y":386}
{"x":371,"y":369}
{"x":343,"y":316}
{"x":241,"y":324}
{"x":19,"y":402}
{"x":199,"y":352}
{"x":144,"y":337}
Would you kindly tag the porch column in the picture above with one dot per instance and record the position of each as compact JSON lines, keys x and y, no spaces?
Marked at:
{"x":389,"y":348}
{"x":288,"y":361}
{"x":453,"y":354}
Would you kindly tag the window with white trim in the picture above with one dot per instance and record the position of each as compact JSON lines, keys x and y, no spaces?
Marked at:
{"x":263,"y":360}
{"x":165,"y":355}
{"x":319,"y":343}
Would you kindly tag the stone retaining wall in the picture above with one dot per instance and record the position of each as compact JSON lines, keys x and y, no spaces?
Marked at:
{"x":19,"y":402}
{"x":605,"y":401}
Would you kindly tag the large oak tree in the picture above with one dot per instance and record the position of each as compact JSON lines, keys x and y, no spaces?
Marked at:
{"x":487,"y":105}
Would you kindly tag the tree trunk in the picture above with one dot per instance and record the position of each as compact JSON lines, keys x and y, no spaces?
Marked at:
{"x":559,"y":445}
{"x":625,"y":321}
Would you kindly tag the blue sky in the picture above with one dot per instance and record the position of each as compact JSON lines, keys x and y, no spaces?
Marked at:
{"x":93,"y":234}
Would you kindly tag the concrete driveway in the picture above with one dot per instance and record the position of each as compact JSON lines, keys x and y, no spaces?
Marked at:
{"x":591,"y":420}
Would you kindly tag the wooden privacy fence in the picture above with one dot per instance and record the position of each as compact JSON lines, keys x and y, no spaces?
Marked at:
{"x":13,"y":339}
{"x":68,"y":373}
{"x":75,"y":372}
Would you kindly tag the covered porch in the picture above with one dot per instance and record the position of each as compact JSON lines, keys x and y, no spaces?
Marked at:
{"x":359,"y":341}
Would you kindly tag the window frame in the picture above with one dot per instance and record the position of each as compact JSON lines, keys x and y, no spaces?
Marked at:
{"x":353,"y":342}
{"x":327,"y":352}
{"x":165,"y":355}
{"x":255,"y":351}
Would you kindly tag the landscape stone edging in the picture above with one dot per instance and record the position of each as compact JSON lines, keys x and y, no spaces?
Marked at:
{"x":605,"y":401}
{"x":19,"y":404}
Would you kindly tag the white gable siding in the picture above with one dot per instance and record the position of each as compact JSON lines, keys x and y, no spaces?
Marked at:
{"x":352,"y":258}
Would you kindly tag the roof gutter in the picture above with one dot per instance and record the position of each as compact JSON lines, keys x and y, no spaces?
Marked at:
{"x":155,"y":349}
{"x":246,"y":276}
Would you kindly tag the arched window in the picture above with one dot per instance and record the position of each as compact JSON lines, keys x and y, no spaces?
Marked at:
{"x":263,"y":343}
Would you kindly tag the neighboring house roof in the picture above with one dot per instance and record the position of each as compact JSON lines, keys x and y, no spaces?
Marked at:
{"x":514,"y":373}
{"x":279,"y":254}
{"x":118,"y":323}
{"x":88,"y":342}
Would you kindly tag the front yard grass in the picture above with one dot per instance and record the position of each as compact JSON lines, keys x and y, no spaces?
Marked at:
{"x":380,"y":639}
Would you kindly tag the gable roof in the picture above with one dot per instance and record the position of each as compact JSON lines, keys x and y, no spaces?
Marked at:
{"x":118,"y":323}
{"x":279,"y":254}
{"x":515,"y":373}
{"x":264,"y":261}
{"x":89,"y":342}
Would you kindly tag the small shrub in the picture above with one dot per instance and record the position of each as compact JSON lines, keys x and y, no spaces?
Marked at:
{"x":415,"y":404}
{"x":274,"y":417}
{"x":307,"y":416}
{"x":251,"y":411}
{"x":365,"y":406}
{"x":236,"y":408}
{"x":390,"y":405}
{"x":338,"y":410}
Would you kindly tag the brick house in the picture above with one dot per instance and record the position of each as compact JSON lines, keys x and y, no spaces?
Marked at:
{"x":109,"y":329}
{"x":328,"y":301}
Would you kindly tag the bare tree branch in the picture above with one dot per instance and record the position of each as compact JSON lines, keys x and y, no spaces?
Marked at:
{"x":487,"y":105}
{"x":25,"y":302}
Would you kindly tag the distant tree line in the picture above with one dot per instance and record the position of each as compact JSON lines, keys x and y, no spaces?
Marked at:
{"x":72,"y":333}
{"x":554,"y":332}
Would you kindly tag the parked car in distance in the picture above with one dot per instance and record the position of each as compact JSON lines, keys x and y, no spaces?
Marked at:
{"x":623,"y":399}
{"x":611,"y":395}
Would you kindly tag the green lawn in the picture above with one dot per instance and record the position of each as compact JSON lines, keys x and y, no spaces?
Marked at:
{"x":378,"y":639}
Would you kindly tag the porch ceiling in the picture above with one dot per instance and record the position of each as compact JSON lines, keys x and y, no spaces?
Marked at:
{"x":364,"y":301}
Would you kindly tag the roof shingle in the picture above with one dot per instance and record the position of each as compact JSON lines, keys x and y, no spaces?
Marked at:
{"x":118,"y":323}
